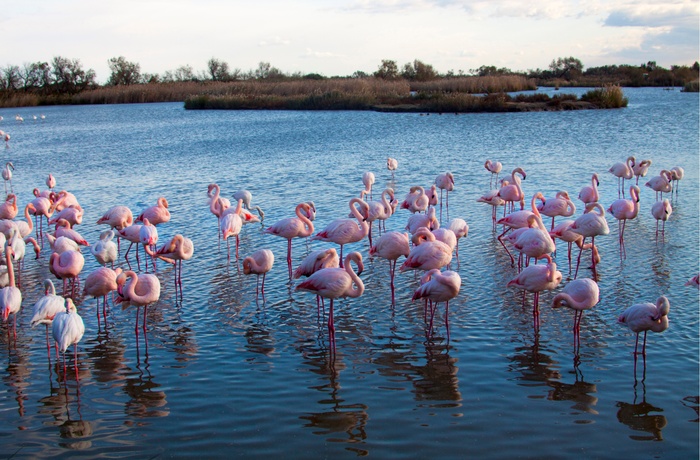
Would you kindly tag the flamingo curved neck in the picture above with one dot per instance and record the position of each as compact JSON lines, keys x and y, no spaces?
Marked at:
{"x":358,"y":286}
{"x":308,"y":225}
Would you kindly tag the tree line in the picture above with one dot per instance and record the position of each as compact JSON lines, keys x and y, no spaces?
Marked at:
{"x":67,"y":76}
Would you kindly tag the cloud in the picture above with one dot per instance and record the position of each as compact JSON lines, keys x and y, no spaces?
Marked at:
{"x":320,"y":54}
{"x":275,"y":41}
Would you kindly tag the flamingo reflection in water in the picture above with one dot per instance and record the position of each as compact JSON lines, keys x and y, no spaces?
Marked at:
{"x":642,"y":417}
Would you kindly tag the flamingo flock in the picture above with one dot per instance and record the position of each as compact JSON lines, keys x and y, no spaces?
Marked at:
{"x":428,"y":247}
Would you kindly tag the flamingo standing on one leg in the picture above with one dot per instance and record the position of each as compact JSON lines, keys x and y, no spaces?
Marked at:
{"x":105,"y":250}
{"x":259,"y":263}
{"x":293,"y":227}
{"x":661,"y":210}
{"x":445,"y":181}
{"x":391,"y":246}
{"x":438,"y":286}
{"x":535,"y":279}
{"x":67,"y":329}
{"x":334,"y":283}
{"x":579,"y":295}
{"x":65,"y":266}
{"x":392,"y":164}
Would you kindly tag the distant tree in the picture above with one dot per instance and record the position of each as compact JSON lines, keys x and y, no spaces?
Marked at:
{"x":313,"y":76}
{"x":696,"y":66}
{"x":568,"y":67}
{"x":388,"y":70}
{"x":418,"y":71}
{"x":359,"y":74}
{"x":218,"y":70}
{"x":123,"y":72}
{"x":11,"y":77}
{"x":408,"y":71}
{"x":184,"y":73}
{"x":150,"y":78}
{"x":490,"y":70}
{"x":265,"y":71}
{"x":36,"y":75}
{"x":69,"y":76}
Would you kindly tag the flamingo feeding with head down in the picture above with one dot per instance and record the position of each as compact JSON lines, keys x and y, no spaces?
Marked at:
{"x":334,"y":283}
{"x":579,"y":295}
{"x":293,"y":227}
{"x":259,"y":263}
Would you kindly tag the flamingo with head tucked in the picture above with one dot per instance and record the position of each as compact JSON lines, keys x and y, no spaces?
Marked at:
{"x":259,"y":263}
{"x":8,"y":208}
{"x":644,"y":317}
{"x":98,"y":284}
{"x":494,"y":167}
{"x":157,"y":214}
{"x":535,"y":279}
{"x":661,"y":210}
{"x":391,"y":246}
{"x":640,"y":169}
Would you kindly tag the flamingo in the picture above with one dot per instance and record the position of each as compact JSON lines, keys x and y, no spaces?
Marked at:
{"x":132,"y":233}
{"x":416,"y":200}
{"x":622,"y":171}
{"x":8,"y":209}
{"x":10,"y":296}
{"x":661,"y":210}
{"x":67,"y":265}
{"x":563,"y":232}
{"x":589,"y":193}
{"x":41,"y":206}
{"x":427,"y":220}
{"x":293,"y":227}
{"x":640,"y":169}
{"x":63,"y":228}
{"x":98,"y":284}
{"x":693,"y":281}
{"x":117,"y":217}
{"x":138,"y":290}
{"x":259,"y":263}
{"x":62,"y":244}
{"x":392,"y":164}
{"x":217,"y":204}
{"x":491,"y":198}
{"x":661,"y":184}
{"x":515,"y":220}
{"x":677,"y":174}
{"x":644,"y":317}
{"x":62,"y":200}
{"x":460,"y":229}
{"x":334,"y":283}
{"x":445,"y":181}
{"x":368,"y":181}
{"x":560,"y":205}
{"x":344,"y":231}
{"x":590,"y":224}
{"x":6,"y":138}
{"x":45,"y":309}
{"x":511,"y":191}
{"x":148,"y":236}
{"x":494,"y":167}
{"x":431,"y":193}
{"x":67,"y":329}
{"x":623,"y":210}
{"x":105,"y":250}
{"x":7,"y":175}
{"x":391,"y":246}
{"x":579,"y":295}
{"x":438,"y":286}
{"x":535,"y":279}
{"x":176,"y":250}
{"x":157,"y":214}
{"x":427,"y":255}
{"x":316,"y":260}
{"x":73,"y":214}
{"x":231,"y":225}
{"x":379,"y":210}
{"x":247,"y":197}
{"x":25,"y":226}
{"x":51,"y":182}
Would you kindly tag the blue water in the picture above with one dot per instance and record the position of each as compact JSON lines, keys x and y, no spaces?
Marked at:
{"x":225,"y":375}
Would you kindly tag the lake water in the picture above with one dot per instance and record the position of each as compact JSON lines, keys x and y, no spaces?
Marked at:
{"x":224,"y":375}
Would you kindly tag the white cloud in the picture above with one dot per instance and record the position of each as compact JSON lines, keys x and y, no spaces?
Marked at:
{"x":275,"y":41}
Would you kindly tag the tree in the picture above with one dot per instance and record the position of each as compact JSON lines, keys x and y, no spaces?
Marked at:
{"x":11,"y":78}
{"x":567,"y":68}
{"x":36,"y":75}
{"x":388,"y":70}
{"x":359,"y":74}
{"x":218,"y":70}
{"x":69,"y":76}
{"x":123,"y":72}
{"x":184,"y":73}
{"x":424,"y":72}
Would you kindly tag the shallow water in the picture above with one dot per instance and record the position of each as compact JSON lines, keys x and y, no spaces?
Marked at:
{"x":224,"y":374}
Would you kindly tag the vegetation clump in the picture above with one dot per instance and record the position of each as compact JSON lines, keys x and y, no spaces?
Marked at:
{"x":608,"y":97}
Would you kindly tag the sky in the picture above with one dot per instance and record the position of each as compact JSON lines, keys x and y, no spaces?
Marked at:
{"x":337,"y":38}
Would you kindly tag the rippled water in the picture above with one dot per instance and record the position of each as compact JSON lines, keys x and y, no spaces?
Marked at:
{"x":222,"y":374}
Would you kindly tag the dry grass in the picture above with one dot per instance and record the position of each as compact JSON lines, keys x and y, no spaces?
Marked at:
{"x":607,"y":97}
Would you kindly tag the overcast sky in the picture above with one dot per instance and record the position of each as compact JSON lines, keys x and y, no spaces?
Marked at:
{"x":342,"y":36}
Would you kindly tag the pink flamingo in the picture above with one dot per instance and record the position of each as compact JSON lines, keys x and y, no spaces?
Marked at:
{"x":623,"y":210}
{"x":67,"y":265}
{"x":8,"y":209}
{"x":157,"y":214}
{"x":10,"y":295}
{"x":63,"y":228}
{"x":661,"y":184}
{"x":334,"y":283}
{"x":7,"y":173}
{"x":117,"y":217}
{"x":511,"y":191}
{"x":368,"y":181}
{"x":491,"y":198}
{"x":494,"y":167}
{"x":579,"y":295}
{"x":98,"y":284}
{"x":344,"y":231}
{"x":563,"y":232}
{"x":62,"y":244}
{"x":589,"y":193}
{"x":693,"y":281}
{"x":138,"y":290}
{"x":379,"y":211}
{"x":427,"y":255}
{"x":176,"y":250}
{"x":431,"y":193}
{"x":63,"y":200}
{"x":590,"y":224}
{"x":460,"y":229}
{"x":41,"y":206}
{"x":644,"y":317}
{"x":316,"y":260}
{"x":515,"y":220}
{"x":67,"y":329}
{"x":132,"y":234}
{"x":293,"y":227}
{"x":45,"y":310}
{"x":623,"y":171}
{"x":677,"y":174}
{"x":73,"y":214}
{"x":50,"y":181}
{"x":217,"y":204}
{"x":445,"y":181}
{"x":231,"y":225}
{"x":535,"y":241}
{"x":535,"y":279}
{"x":661,"y":210}
{"x":259,"y":263}
{"x":427,"y":220}
{"x":560,"y":205}
{"x":25,"y":226}
{"x":392,"y":164}
{"x":437,"y":287}
{"x":148,"y":236}
{"x":640,"y":169}
{"x":416,"y":200}
{"x":391,"y":246}
{"x":105,"y":250}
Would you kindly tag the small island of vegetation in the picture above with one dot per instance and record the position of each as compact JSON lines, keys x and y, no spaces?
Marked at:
{"x":416,"y":87}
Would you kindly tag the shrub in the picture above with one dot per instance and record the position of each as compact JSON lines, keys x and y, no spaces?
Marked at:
{"x":607,"y":97}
